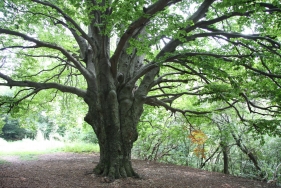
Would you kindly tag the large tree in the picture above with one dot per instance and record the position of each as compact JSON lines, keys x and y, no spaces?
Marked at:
{"x":120,"y":55}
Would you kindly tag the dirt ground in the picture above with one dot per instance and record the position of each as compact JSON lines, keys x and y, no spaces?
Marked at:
{"x":69,"y":170}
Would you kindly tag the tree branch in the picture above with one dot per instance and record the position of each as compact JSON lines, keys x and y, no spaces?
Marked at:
{"x":40,"y":86}
{"x":51,"y":57}
{"x":176,"y":94}
{"x":219,"y":56}
{"x":145,"y":69}
{"x":135,"y":27}
{"x":201,"y":11}
{"x":79,"y":40}
{"x":146,"y":83}
{"x":215,"y":32}
{"x":156,"y":102}
{"x":23,"y":47}
{"x":38,"y":43}
{"x":250,"y":103}
{"x":261,"y":72}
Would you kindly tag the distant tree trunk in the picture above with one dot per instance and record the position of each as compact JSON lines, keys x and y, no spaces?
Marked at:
{"x":215,"y":168}
{"x":225,"y":149}
{"x":250,"y":154}
{"x":225,"y":158}
{"x":209,"y":158}
{"x":245,"y":150}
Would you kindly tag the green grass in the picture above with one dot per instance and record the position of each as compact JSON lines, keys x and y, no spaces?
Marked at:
{"x":3,"y":162}
{"x":27,"y":157}
{"x":80,"y":147}
{"x":29,"y":149}
{"x":24,"y":153}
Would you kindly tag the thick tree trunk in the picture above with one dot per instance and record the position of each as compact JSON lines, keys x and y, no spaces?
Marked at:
{"x":116,"y":129}
{"x":114,"y":104}
{"x":114,"y":115}
{"x":115,"y":151}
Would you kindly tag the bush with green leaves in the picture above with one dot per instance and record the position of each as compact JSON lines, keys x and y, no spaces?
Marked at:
{"x":12,"y":130}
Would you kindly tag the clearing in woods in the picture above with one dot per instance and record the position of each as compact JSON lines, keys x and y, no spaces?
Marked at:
{"x":72,"y":170}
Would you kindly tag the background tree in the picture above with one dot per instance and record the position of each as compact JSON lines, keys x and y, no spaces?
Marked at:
{"x":165,"y":50}
{"x":11,"y":129}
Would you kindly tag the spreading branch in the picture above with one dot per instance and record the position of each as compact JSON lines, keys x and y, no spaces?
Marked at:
{"x":39,"y":44}
{"x":40,"y":86}
{"x":79,"y":40}
{"x":157,"y":102}
{"x":136,"y":27}
{"x":173,"y":44}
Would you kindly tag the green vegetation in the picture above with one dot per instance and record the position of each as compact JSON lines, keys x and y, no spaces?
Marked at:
{"x":26,"y":148}
{"x":3,"y":162}
{"x":27,"y":157}
{"x":210,"y":144}
{"x":80,"y":147}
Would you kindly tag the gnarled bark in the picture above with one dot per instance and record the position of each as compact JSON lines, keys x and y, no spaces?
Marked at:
{"x":115,"y":126}
{"x":114,"y":112}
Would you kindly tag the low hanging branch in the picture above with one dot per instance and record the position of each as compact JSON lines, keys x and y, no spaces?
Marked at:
{"x":38,"y":43}
{"x":42,"y":86}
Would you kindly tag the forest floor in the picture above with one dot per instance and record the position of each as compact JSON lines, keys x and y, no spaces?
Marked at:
{"x":69,"y":170}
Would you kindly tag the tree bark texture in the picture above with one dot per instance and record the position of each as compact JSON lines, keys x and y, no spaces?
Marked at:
{"x":113,"y":113}
{"x":114,"y":107}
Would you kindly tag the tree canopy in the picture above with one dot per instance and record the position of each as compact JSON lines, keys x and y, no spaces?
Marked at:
{"x":120,"y":55}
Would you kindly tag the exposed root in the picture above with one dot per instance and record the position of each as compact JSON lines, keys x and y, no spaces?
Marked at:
{"x":109,"y":174}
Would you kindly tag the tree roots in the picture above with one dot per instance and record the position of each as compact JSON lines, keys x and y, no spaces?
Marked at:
{"x":110,"y":173}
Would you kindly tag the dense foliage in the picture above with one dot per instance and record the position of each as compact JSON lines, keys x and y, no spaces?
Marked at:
{"x":170,"y":139}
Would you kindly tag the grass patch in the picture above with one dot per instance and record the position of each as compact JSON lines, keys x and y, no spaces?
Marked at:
{"x":28,"y":149}
{"x":28,"y":157}
{"x":3,"y":162}
{"x":24,"y":154}
{"x":80,"y":147}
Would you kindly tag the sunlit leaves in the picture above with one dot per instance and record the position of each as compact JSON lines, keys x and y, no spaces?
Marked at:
{"x":199,"y":138}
